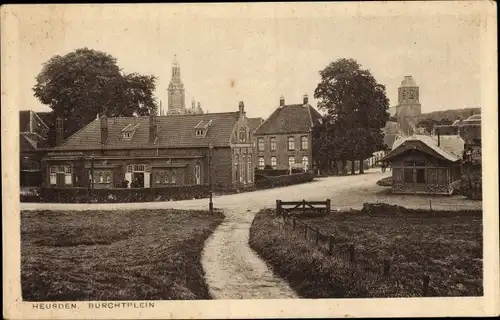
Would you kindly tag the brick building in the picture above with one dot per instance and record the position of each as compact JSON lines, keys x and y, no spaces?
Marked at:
{"x":285,"y":138}
{"x":32,"y":140}
{"x":154,"y":151}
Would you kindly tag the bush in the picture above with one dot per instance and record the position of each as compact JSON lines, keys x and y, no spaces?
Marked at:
{"x":113,"y":195}
{"x":285,"y":180}
{"x":385,"y":182}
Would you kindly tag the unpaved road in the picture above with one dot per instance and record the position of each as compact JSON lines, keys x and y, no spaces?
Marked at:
{"x":233,"y":270}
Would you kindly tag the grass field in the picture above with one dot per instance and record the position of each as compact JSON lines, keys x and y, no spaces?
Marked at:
{"x":446,"y":247}
{"x":117,"y":255}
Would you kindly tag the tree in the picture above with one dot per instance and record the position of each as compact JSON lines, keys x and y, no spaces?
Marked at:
{"x":82,"y":84}
{"x":357,"y":107}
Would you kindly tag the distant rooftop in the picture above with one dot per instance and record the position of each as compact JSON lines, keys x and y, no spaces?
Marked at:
{"x":408,"y":82}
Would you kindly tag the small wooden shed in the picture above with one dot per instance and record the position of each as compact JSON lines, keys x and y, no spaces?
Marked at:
{"x":423,"y":164}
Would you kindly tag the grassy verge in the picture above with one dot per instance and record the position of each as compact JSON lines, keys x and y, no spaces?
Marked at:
{"x":120,"y":255}
{"x":448,"y":248}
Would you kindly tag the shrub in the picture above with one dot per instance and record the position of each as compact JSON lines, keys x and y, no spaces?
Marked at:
{"x":285,"y":180}
{"x":385,"y":182}
{"x":113,"y":195}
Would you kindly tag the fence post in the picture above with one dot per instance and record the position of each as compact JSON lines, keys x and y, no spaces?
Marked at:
{"x":317,"y":235}
{"x":328,"y":203}
{"x":430,"y":205}
{"x":305,"y":233}
{"x":351,"y":253}
{"x":293,"y":224}
{"x":387,"y":266}
{"x":426,"y":285}
{"x":278,"y":207}
{"x":330,"y":244}
{"x":303,"y":205}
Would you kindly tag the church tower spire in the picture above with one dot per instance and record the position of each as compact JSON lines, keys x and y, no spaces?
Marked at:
{"x":176,"y":101}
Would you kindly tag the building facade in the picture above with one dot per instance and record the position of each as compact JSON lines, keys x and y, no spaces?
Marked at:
{"x":32,"y":141}
{"x":155,"y":151}
{"x":284,"y":140}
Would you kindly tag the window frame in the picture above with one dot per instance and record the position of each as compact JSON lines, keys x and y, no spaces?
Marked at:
{"x":304,"y":141}
{"x":261,"y":163}
{"x":260,"y":144}
{"x":272,"y":143}
{"x":275,"y":161}
{"x":291,"y":143}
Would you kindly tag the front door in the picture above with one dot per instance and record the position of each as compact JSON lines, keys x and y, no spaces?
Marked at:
{"x":138,"y":180}
{"x":60,"y":180}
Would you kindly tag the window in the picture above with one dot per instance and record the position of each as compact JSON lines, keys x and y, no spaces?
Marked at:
{"x":260,"y":144}
{"x":273,"y":162}
{"x":304,"y":143}
{"x":127,"y":135}
{"x":130,"y":168}
{"x":199,"y":132}
{"x":242,"y":170}
{"x":411,"y":96}
{"x":65,"y":170}
{"x":101,"y":177}
{"x":139,"y":168}
{"x":242,"y":134}
{"x":408,"y":175}
{"x":305,"y":160}
{"x":261,"y":163}
{"x":157,"y":177}
{"x":421,"y":176}
{"x":291,"y":143}
{"x":291,"y":161}
{"x":273,"y":143}
{"x":249,"y":169}
{"x":173,"y":179}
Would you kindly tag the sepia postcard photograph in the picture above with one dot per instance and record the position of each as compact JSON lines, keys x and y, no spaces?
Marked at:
{"x":250,"y":160}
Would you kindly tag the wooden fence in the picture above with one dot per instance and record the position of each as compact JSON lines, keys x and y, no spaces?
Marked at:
{"x":286,"y":207}
{"x":327,"y":243}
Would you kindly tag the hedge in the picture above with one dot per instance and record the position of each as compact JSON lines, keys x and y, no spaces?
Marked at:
{"x":115,"y":195}
{"x":284,"y":180}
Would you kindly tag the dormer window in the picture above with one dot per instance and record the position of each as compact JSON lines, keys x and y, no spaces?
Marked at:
{"x":202,"y":127}
{"x":129,"y":131}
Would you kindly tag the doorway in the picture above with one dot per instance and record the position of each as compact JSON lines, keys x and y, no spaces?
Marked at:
{"x":137,"y":180}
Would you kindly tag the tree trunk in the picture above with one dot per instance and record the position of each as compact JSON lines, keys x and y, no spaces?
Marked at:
{"x":344,"y":165}
{"x":336,"y":168}
{"x":353,"y":167}
{"x":361,"y":166}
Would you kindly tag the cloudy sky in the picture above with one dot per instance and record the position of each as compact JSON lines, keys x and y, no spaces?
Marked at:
{"x":258,"y":52}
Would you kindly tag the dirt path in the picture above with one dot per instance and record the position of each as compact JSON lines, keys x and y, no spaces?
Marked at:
{"x":233,"y":270}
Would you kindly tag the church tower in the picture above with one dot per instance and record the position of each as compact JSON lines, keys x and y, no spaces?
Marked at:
{"x":408,"y":99}
{"x":176,"y":101}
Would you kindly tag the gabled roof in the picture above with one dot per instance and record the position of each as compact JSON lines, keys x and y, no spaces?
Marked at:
{"x":254,"y":123}
{"x":289,"y":119}
{"x":173,"y":132}
{"x":31,"y":141}
{"x":451,"y":147}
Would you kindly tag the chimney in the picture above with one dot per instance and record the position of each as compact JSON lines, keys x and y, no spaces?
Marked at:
{"x":439,"y":136}
{"x":153,"y":128}
{"x":282,"y":101}
{"x":306,"y":99}
{"x":59,"y":130}
{"x":104,"y":129}
{"x":241,"y":107}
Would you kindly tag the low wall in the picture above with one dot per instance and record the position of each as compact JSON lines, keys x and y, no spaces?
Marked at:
{"x":284,"y":180}
{"x":114,"y":195}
